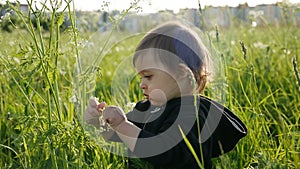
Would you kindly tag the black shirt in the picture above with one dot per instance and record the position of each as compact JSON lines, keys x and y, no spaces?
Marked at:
{"x":161,"y":142}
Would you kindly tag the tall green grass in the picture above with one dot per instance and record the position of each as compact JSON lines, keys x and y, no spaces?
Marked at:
{"x":40,"y":125}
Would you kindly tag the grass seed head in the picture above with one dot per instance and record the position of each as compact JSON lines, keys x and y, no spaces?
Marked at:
{"x":295,"y":67}
{"x":244,"y":49}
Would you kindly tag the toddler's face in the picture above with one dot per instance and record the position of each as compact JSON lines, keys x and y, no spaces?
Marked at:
{"x":157,"y":82}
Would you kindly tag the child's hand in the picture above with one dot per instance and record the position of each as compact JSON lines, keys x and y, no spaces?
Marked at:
{"x":93,"y":112}
{"x":127,"y":131}
{"x":114,"y":116}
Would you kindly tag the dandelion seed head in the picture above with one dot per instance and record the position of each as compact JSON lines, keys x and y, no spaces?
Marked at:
{"x":73,"y":99}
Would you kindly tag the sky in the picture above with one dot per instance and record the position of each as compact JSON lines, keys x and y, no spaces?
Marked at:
{"x":174,"y":5}
{"x":156,"y":5}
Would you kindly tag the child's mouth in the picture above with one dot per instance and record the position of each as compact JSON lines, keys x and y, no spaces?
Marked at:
{"x":146,"y":96}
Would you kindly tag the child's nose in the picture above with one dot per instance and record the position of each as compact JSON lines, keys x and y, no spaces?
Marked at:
{"x":143,"y":85}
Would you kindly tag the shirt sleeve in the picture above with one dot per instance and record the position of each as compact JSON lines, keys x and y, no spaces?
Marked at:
{"x":114,"y":137}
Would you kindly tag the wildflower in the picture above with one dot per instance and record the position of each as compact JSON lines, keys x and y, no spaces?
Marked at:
{"x":260,"y":45}
{"x":108,"y":73}
{"x":17,"y":60}
{"x":117,"y":49}
{"x":285,"y":51}
{"x":130,"y":105}
{"x":6,"y":16}
{"x":256,"y":14}
{"x":63,"y":72}
{"x":73,"y":99}
{"x":11,"y":43}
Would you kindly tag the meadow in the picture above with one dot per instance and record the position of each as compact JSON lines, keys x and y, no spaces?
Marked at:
{"x":46,"y":80}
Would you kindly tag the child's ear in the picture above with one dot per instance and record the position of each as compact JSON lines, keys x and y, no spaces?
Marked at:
{"x":183,"y":70}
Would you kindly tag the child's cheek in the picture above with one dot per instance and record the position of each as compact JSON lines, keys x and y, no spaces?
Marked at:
{"x":157,"y":97}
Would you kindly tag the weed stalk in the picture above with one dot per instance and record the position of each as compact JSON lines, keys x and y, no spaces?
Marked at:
{"x":244,"y":50}
{"x":296,"y":71}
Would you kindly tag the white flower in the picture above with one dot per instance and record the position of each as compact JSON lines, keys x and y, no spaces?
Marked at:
{"x":62,"y":72}
{"x":17,"y":60}
{"x":259,"y":45}
{"x":11,"y":43}
{"x":286,"y":51}
{"x":130,"y":105}
{"x":256,"y":14}
{"x":73,"y":99}
{"x":108,"y":73}
{"x":5,"y":17}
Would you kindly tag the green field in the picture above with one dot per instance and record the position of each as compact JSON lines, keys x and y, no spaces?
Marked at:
{"x":40,"y":123}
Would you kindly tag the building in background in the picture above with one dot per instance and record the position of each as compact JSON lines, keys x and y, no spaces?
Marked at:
{"x":4,"y":8}
{"x":225,"y":17}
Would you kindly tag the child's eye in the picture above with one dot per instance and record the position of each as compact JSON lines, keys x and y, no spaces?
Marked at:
{"x":148,"y":76}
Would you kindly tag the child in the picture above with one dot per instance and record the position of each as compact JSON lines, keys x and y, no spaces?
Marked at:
{"x":174,"y":68}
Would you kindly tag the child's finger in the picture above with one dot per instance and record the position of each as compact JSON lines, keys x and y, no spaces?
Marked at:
{"x":94,"y":102}
{"x":101,"y":105}
{"x":93,"y":111}
{"x":113,"y":115}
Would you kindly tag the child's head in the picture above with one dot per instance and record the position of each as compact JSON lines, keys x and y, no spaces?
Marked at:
{"x":179,"y":49}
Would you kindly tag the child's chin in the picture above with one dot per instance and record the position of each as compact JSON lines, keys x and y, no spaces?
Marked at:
{"x":156,"y":103}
